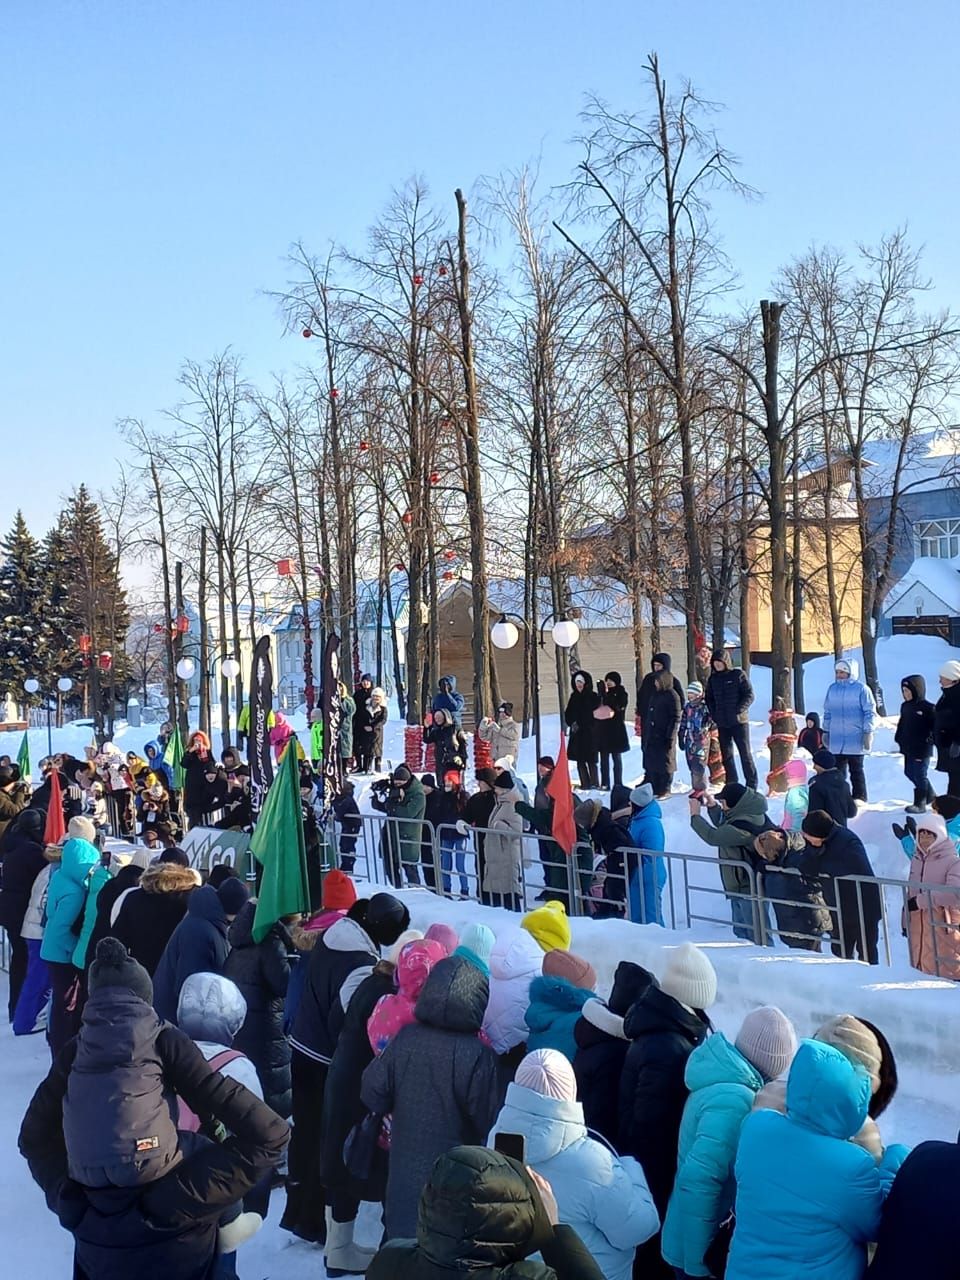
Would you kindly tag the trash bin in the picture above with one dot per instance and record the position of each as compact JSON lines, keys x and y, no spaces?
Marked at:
{"x":133,"y":713}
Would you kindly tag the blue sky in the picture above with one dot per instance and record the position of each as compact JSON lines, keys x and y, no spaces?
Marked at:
{"x":159,"y":156}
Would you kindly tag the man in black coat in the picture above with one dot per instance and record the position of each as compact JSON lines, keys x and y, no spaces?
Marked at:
{"x":834,"y":851}
{"x":168,"y":1227}
{"x":946,"y":726}
{"x":199,"y":943}
{"x":729,"y":695}
{"x":914,"y":737}
{"x":261,"y":970}
{"x":23,"y":860}
{"x":830,"y":790}
{"x":918,"y":1235}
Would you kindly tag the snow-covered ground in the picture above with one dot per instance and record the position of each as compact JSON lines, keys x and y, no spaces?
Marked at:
{"x":920,"y":1016}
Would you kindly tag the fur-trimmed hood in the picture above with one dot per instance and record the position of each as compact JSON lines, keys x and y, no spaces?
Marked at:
{"x":168,"y":877}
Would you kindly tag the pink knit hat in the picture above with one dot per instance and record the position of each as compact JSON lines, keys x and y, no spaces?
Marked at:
{"x":577,"y":971}
{"x":445,"y":935}
{"x":547,"y":1071}
{"x":767,"y":1039}
{"x":795,"y":772}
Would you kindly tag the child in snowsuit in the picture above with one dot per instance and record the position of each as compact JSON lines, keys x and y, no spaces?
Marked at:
{"x":797,"y":800}
{"x":696,"y":730}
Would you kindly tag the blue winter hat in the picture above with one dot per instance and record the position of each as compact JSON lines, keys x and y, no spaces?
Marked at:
{"x":476,"y":944}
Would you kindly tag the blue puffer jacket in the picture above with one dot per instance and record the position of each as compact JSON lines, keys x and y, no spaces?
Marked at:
{"x":153,"y":755}
{"x":66,"y":898}
{"x":646,"y":832}
{"x":604,"y":1198}
{"x":448,"y":699}
{"x":552,"y":1014}
{"x":849,"y":712}
{"x":723,"y":1086}
{"x":809,"y":1201}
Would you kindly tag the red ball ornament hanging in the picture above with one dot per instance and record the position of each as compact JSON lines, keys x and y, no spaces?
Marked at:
{"x":448,"y":575}
{"x":442,"y":270}
{"x":364,"y":446}
{"x":418,"y":280}
{"x":308,"y":333}
{"x":449,"y":555}
{"x":407,"y":518}
{"x":434,"y":477}
{"x":334,"y":392}
{"x":400,"y":566}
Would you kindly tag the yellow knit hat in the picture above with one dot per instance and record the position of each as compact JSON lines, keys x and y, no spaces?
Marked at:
{"x":549,"y":925}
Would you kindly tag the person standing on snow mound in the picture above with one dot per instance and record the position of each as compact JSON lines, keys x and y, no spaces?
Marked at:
{"x":611,"y":728}
{"x":832,"y":852}
{"x":502,"y":734}
{"x":578,"y":717}
{"x":914,"y":737}
{"x":729,"y":696}
{"x":448,"y":699}
{"x":946,"y":726}
{"x":659,"y":662}
{"x":849,"y":716}
{"x":99,"y":1137}
{"x":660,"y":725}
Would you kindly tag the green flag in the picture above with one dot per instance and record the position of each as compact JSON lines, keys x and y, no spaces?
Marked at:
{"x":173,"y":756}
{"x":23,"y":757}
{"x":279,"y":846}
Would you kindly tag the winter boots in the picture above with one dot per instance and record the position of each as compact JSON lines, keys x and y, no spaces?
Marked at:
{"x":341,"y":1256}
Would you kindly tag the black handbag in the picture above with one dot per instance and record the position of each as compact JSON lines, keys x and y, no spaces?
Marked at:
{"x":363,"y":1157}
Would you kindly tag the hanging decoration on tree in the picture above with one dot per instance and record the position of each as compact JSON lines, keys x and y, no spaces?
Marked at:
{"x":781,"y":741}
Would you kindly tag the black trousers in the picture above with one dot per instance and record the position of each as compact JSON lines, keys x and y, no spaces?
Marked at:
{"x":737,"y":735}
{"x":605,"y":758}
{"x":858,"y":781}
{"x":306,"y":1196}
{"x":18,"y":968}
{"x":857,"y":944}
{"x":588,"y":773}
{"x":953,"y":777}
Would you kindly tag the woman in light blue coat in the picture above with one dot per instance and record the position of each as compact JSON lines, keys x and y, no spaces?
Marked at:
{"x":808,"y":1200}
{"x":723,"y":1080}
{"x":604,"y":1197}
{"x":849,"y":716}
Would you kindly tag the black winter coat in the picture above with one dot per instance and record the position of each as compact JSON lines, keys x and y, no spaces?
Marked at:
{"x":946,"y":729}
{"x":843,"y":854}
{"x":480,"y":1216}
{"x":150,"y":913}
{"x":127,"y":877}
{"x":339,"y":962}
{"x":197,"y":945}
{"x":648,"y":684}
{"x":439,"y":1081}
{"x":831,"y":792}
{"x":602,"y":1048}
{"x":611,"y":735}
{"x":918,"y":1235}
{"x":168,"y":1228}
{"x":660,"y":726}
{"x":195,"y":785}
{"x":262,"y":972}
{"x":914,"y":735}
{"x":23,"y":861}
{"x":652,"y":1088}
{"x":803,"y":909}
{"x":342,"y":1108}
{"x":578,"y":717}
{"x":729,"y":695}
{"x":449,"y":748}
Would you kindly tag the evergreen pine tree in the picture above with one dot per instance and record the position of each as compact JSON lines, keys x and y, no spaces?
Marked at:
{"x":24,"y":636}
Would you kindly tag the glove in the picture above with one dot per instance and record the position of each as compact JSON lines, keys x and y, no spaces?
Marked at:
{"x":462,"y":827}
{"x":911,"y":827}
{"x":868,"y":741}
{"x":898,"y":831}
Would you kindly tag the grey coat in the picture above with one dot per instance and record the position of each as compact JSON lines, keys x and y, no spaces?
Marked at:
{"x":503,"y":849}
{"x":440,"y":1083}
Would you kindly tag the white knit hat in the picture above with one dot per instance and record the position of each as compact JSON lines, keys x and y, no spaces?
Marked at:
{"x":690,"y":977}
{"x":951,"y":670}
{"x":767,"y":1039}
{"x":410,"y":935}
{"x":842,"y":664}
{"x":549,"y":1072}
{"x":80,"y":828}
{"x":856,"y":1042}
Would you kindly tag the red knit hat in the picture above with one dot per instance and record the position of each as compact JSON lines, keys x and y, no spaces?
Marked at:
{"x":338,"y":891}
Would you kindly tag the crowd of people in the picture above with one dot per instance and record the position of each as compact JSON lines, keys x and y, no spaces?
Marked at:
{"x":481,"y":1088}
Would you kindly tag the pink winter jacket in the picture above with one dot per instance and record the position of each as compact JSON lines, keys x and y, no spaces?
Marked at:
{"x":933,"y":927}
{"x":392,"y":1013}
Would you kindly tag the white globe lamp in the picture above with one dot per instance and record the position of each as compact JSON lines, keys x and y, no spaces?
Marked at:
{"x":186,"y":669}
{"x":504,"y":634}
{"x":230,"y":668}
{"x":31,"y":685}
{"x":64,"y":684}
{"x":565,"y":634}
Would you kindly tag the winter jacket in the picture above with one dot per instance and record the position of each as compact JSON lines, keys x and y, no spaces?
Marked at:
{"x":723,"y":1086}
{"x":148,"y":915}
{"x":398,"y":1010}
{"x":197,"y":945}
{"x":343,"y":956}
{"x":649,"y":875}
{"x":798,"y":901}
{"x":660,"y":724}
{"x":808,"y":1201}
{"x":604,"y":1197}
{"x":933,"y":925}
{"x":448,"y":699}
{"x":440,"y":1083}
{"x":648,"y":683}
{"x":32,"y":927}
{"x":728,"y":696}
{"x":126,"y":878}
{"x":515,"y":961}
{"x":116,"y":1089}
{"x":170,"y":1227}
{"x":796,"y":806}
{"x":66,"y":899}
{"x":12,"y":804}
{"x":578,"y":717}
{"x":652,"y":1087}
{"x":100,"y":877}
{"x":342,"y":1106}
{"x":830,"y":791}
{"x":843,"y":854}
{"x":914,"y":735}
{"x":23,"y":861}
{"x":449,"y":747}
{"x":696,"y":726}
{"x":481,"y":1215}
{"x":946,"y":728}
{"x":262,"y":972}
{"x":732,"y":834}
{"x":849,"y":716}
{"x":552,"y":1014}
{"x":348,"y":709}
{"x":154,"y":757}
{"x":611,"y":734}
{"x":810,"y":739}
{"x":504,"y":739}
{"x":918,"y":1234}
{"x":195,"y":786}
{"x":401,"y":839}
{"x":503,"y":848}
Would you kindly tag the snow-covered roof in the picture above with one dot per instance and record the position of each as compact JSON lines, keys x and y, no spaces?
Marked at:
{"x":932,"y":462}
{"x":940,"y":578}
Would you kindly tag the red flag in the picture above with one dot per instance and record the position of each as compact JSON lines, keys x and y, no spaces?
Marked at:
{"x":54,"y":830}
{"x":563,"y":829}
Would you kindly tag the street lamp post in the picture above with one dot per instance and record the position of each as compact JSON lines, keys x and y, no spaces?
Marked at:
{"x":229,"y":669}
{"x":64,"y":685}
{"x":565,"y":633}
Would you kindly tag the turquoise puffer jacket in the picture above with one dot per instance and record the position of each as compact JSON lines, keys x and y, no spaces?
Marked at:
{"x":552,"y":1014}
{"x":98,"y":878}
{"x":66,"y":898}
{"x":604,"y":1197}
{"x":723,"y":1086}
{"x":809,"y":1201}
